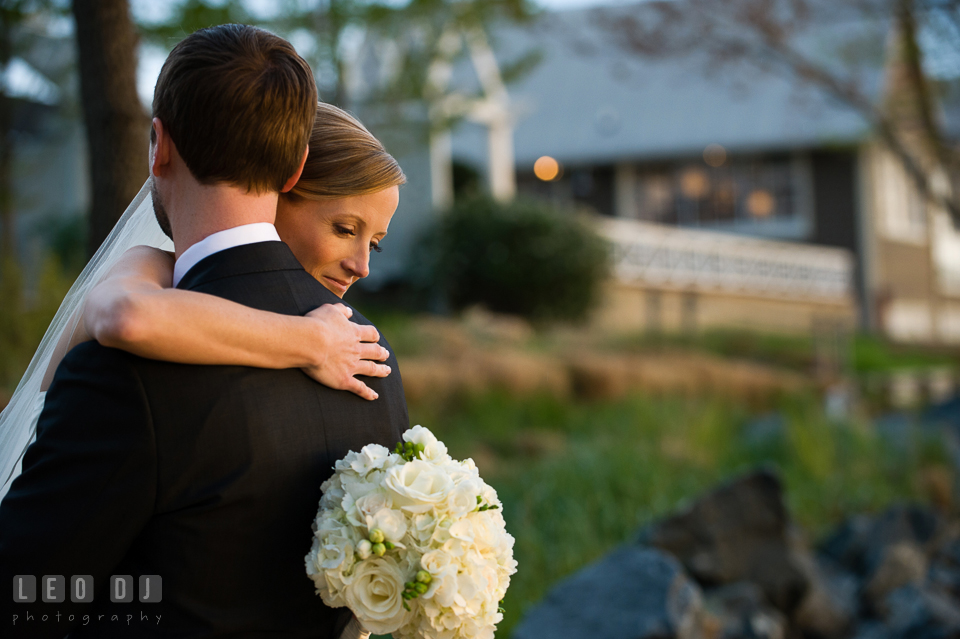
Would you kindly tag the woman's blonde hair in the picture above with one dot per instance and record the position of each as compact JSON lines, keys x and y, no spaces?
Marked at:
{"x":345,"y":159}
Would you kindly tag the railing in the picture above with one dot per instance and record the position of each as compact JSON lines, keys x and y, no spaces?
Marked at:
{"x":664,"y":256}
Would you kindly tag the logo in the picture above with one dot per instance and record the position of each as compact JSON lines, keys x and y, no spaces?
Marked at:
{"x":53,"y":589}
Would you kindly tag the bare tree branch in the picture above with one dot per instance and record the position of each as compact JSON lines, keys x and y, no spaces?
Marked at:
{"x":763,"y":31}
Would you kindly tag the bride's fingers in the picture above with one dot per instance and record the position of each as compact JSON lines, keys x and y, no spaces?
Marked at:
{"x":374,"y":352}
{"x":368,"y":334}
{"x":372,"y":369}
{"x":359,"y":388}
{"x":346,"y":310}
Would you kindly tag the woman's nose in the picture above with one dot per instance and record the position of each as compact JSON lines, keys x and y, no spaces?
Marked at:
{"x":359,"y":263}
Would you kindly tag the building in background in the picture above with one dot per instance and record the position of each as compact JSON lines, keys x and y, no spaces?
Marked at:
{"x":733,"y":197}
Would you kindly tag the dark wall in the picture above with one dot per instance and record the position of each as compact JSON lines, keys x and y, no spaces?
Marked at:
{"x":835,"y":198}
{"x":836,"y":219}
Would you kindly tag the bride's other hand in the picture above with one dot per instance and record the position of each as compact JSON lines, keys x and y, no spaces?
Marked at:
{"x":342,"y":349}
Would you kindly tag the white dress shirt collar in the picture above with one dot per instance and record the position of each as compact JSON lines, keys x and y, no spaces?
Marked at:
{"x":220,"y":241}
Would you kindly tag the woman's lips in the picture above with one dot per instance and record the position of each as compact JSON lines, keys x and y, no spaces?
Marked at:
{"x":338,"y":285}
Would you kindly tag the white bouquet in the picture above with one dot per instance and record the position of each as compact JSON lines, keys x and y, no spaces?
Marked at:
{"x":413,"y":542}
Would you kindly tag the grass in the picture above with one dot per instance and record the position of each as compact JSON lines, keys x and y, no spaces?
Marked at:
{"x":862,"y":353}
{"x":578,"y":479}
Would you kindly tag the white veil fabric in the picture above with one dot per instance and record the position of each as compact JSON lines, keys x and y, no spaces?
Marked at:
{"x":18,"y":421}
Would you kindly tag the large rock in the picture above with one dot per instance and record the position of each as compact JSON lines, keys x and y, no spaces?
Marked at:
{"x":901,"y":564}
{"x":914,"y":612}
{"x":860,"y":544}
{"x":739,"y":532}
{"x":945,"y":570}
{"x":741,"y":610}
{"x":632,"y":593}
{"x":830,"y":607}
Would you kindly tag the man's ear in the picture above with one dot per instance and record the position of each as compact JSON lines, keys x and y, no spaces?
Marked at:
{"x":160,"y":144}
{"x":296,"y":176}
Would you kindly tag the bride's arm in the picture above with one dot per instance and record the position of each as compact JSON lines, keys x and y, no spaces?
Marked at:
{"x":134,"y":309}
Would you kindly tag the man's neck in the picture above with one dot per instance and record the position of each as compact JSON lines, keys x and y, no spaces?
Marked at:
{"x":199,"y":211}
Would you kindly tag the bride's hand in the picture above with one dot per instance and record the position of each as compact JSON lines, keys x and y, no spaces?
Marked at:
{"x":341,"y":349}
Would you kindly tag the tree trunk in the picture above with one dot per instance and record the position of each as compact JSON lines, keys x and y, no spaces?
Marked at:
{"x":115,"y":120}
{"x":8,"y":240}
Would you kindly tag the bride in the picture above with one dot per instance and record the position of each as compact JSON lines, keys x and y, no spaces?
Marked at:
{"x":335,"y":216}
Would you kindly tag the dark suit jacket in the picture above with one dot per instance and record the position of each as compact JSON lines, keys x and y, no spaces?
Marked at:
{"x":208,"y":476}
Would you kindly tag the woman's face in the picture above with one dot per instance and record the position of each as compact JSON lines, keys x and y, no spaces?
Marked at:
{"x":333,"y":239}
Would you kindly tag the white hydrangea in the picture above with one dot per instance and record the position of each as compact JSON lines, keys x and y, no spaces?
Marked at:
{"x":389,"y":521}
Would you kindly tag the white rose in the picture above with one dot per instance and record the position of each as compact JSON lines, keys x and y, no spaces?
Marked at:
{"x":370,"y":457}
{"x":420,"y":435}
{"x":435,"y":561}
{"x":434,"y":450}
{"x":391,"y":523}
{"x":463,"y":498}
{"x":417,"y":486}
{"x":367,"y":506}
{"x":375,"y":595}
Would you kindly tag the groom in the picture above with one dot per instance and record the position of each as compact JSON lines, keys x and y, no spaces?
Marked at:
{"x":204,"y":476}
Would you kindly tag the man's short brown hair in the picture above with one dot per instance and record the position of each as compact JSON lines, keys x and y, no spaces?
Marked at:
{"x":239,"y":104}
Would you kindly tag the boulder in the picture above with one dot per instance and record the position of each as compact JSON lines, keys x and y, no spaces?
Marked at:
{"x":635,"y":593}
{"x":860,"y":543}
{"x":915,"y":612}
{"x":741,"y":610}
{"x":829,"y":609}
{"x":901,"y":564}
{"x":945,"y":570}
{"x":739,"y":532}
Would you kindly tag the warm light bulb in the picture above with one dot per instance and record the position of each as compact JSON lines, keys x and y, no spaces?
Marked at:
{"x":761,"y":203}
{"x":546,"y":168}
{"x":694,"y":183}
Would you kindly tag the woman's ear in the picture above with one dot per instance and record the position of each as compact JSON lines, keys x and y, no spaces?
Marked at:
{"x":292,"y":182}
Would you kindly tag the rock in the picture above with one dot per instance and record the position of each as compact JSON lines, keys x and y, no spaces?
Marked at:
{"x":914,"y":612}
{"x":632,"y":593}
{"x":901,"y":564}
{"x":860,"y":543}
{"x":872,"y":629}
{"x":741,"y":610}
{"x":945,"y":570}
{"x":831,"y":604}
{"x":737,"y":533}
{"x":846,"y":546}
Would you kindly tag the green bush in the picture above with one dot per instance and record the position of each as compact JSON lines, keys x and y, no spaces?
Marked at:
{"x":523,"y":258}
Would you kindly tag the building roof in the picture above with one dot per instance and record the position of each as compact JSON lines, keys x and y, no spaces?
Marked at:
{"x":589,"y":101}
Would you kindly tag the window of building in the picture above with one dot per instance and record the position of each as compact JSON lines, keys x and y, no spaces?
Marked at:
{"x":741,"y":195}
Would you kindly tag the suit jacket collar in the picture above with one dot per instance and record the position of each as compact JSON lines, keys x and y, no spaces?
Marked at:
{"x":260,"y":257}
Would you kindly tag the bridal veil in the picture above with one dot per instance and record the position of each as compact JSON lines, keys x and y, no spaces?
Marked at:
{"x":18,"y":421}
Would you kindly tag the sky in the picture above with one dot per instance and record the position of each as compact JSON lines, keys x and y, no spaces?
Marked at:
{"x":152,"y":57}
